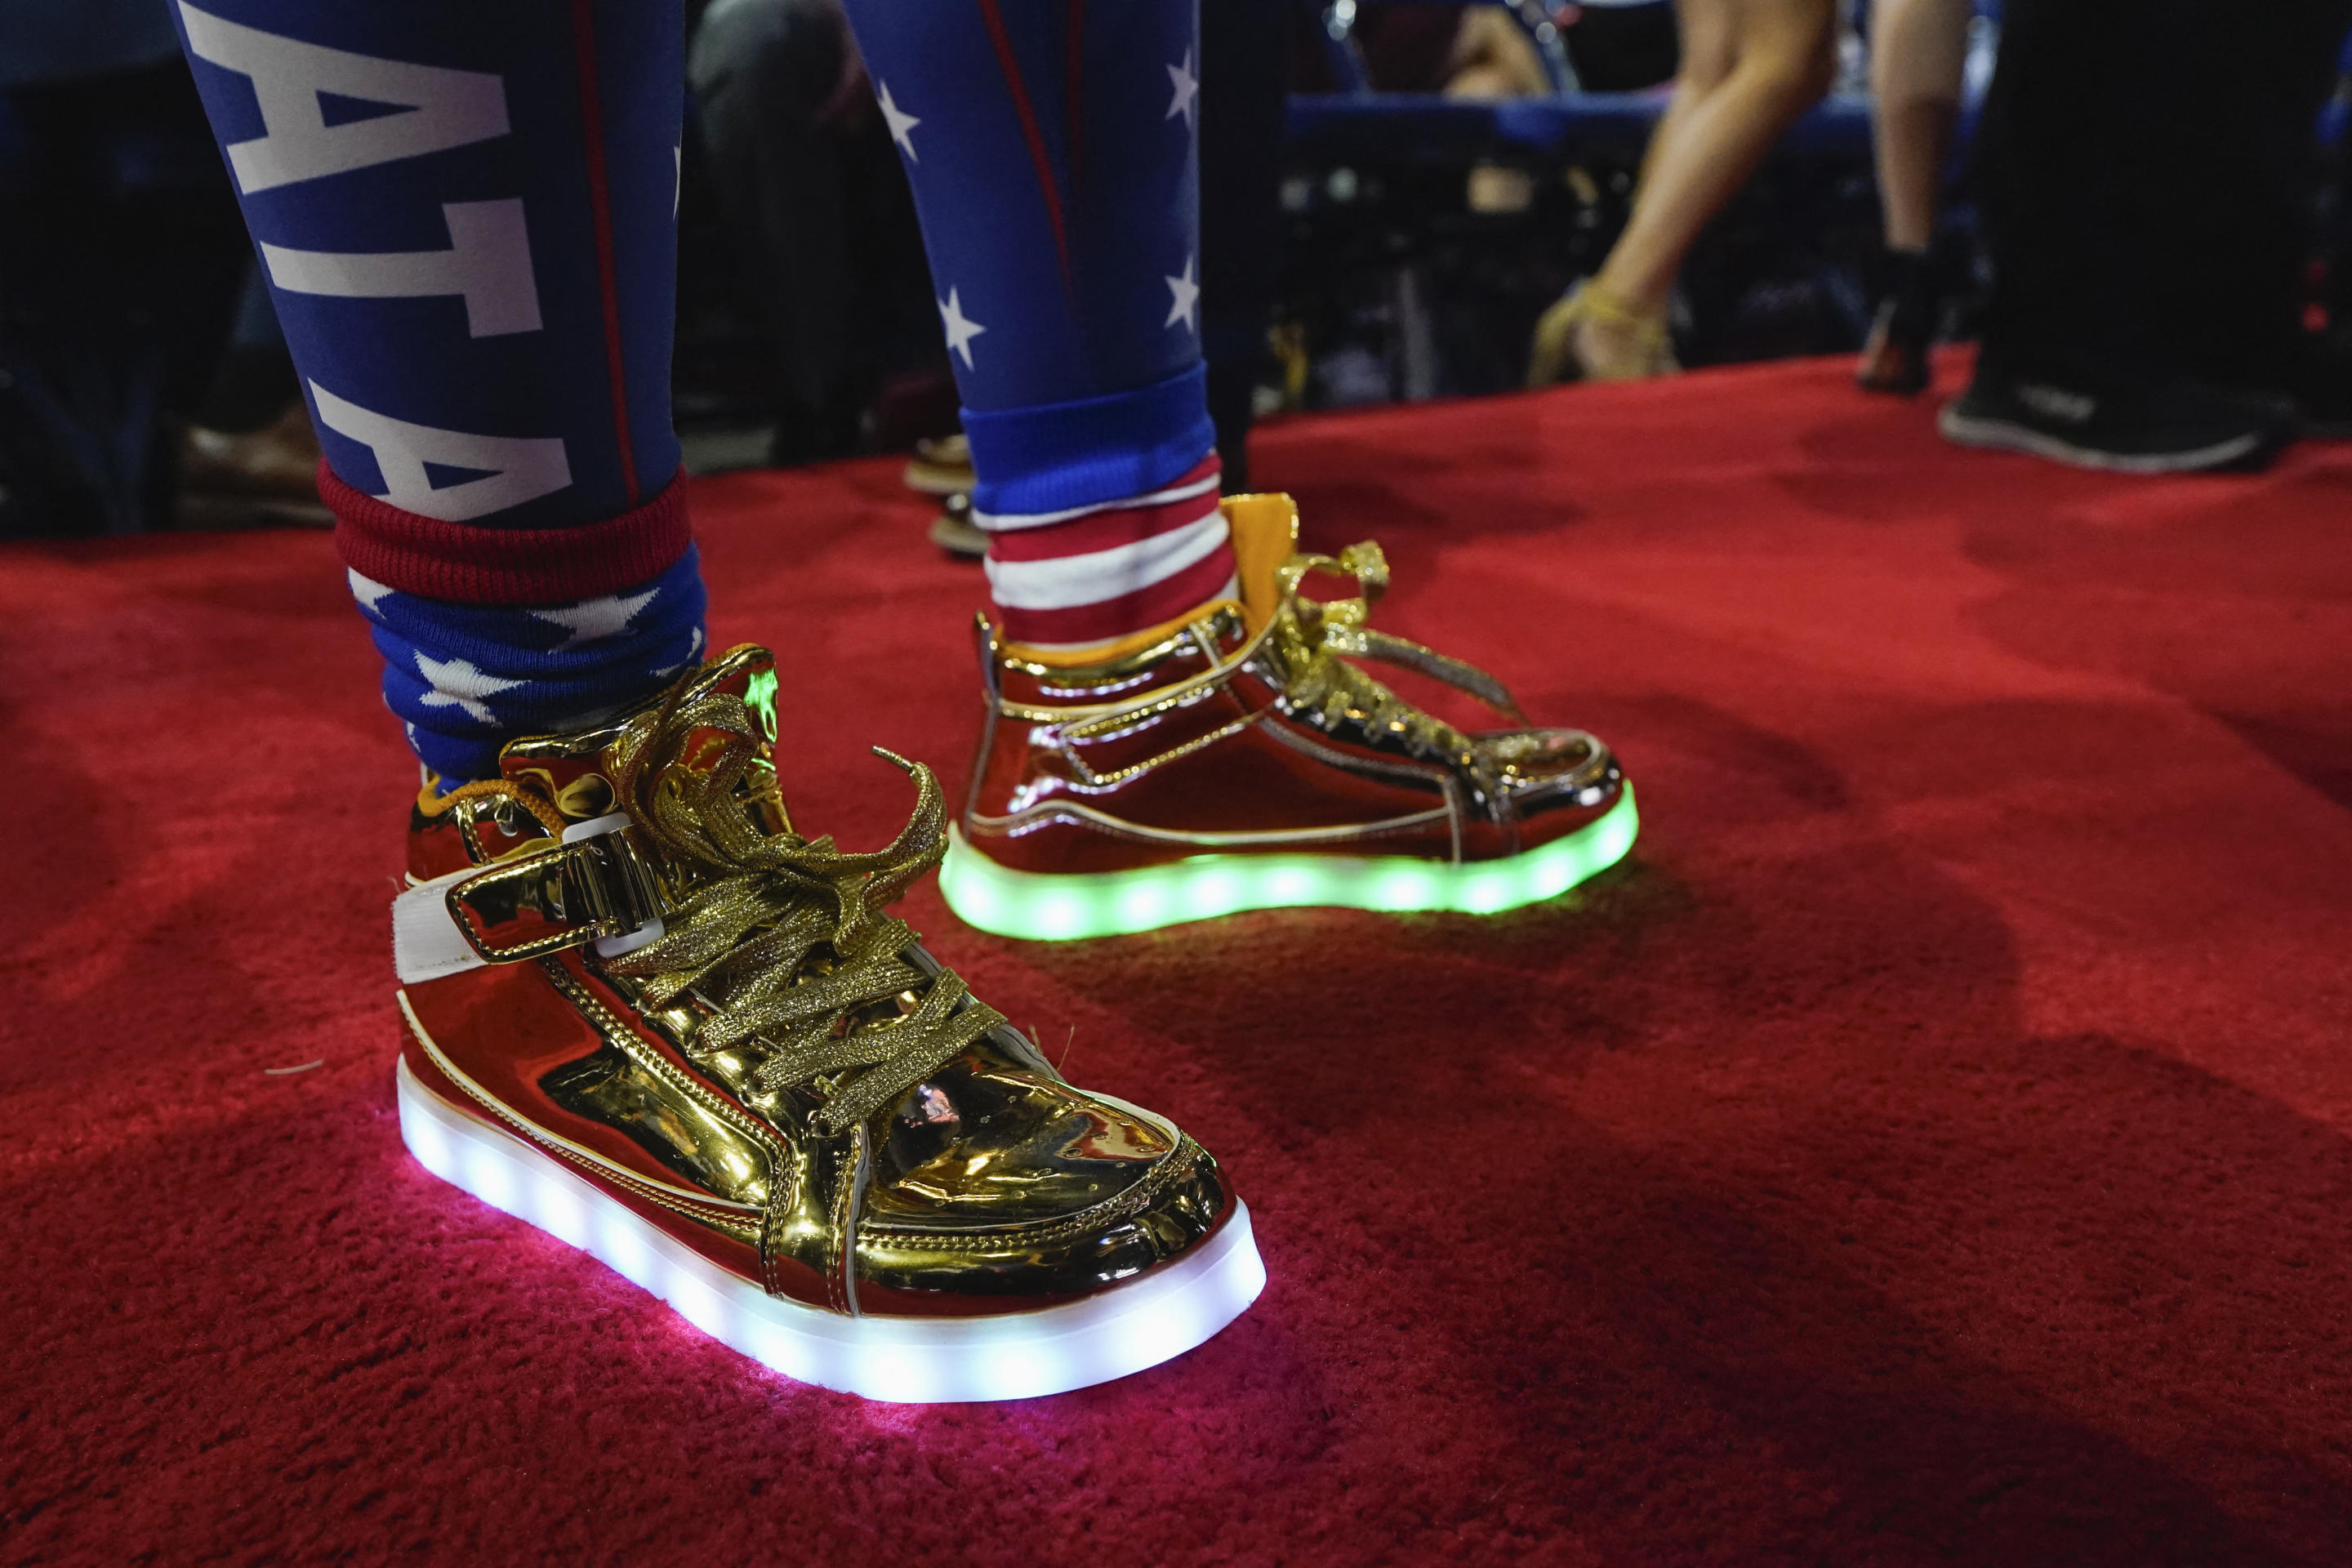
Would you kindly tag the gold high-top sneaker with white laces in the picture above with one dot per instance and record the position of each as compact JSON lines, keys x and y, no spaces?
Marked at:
{"x":649,"y":1017}
{"x":1238,"y":759}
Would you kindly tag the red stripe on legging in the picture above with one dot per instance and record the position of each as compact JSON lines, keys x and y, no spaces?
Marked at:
{"x":600,"y":206}
{"x":1099,"y":531}
{"x":1163,"y":602}
{"x":1028,"y":118}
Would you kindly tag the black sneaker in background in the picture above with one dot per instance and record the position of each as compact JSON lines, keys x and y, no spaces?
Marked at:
{"x":2160,"y":426}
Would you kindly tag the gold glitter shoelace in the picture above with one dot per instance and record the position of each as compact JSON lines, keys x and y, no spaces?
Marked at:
{"x":1314,"y":639}
{"x":786,"y":937}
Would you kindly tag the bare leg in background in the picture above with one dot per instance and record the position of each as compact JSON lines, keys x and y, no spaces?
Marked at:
{"x":1749,"y":68}
{"x":1918,"y":51}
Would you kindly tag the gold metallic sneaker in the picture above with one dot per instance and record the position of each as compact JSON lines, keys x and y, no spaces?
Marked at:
{"x":1239,"y":759}
{"x":649,"y":1017}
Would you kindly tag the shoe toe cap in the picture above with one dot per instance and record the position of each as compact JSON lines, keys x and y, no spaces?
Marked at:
{"x":1001,"y":1188}
{"x":1558,"y":781}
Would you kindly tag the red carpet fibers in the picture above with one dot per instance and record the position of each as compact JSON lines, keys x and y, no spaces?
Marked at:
{"x":1932,"y":1148}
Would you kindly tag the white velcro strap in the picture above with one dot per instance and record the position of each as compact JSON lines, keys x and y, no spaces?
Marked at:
{"x":597,"y":827}
{"x":425,"y":941}
{"x":427,"y":944}
{"x":627,"y":941}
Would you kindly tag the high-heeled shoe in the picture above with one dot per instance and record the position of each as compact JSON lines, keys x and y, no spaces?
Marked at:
{"x":1895,"y":356}
{"x":1563,"y":350}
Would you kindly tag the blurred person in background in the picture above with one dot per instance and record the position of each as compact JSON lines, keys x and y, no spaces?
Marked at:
{"x":2147,"y":171}
{"x":1614,"y":45}
{"x":249,"y":457}
{"x":816,"y":213}
{"x":1493,"y":58}
{"x":1918,"y":51}
{"x":1748,"y":68}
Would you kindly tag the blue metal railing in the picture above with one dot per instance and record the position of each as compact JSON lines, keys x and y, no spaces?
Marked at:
{"x":1358,"y":116}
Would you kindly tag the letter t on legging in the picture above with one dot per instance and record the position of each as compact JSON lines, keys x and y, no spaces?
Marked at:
{"x":1052,"y":145}
{"x":466,"y":215}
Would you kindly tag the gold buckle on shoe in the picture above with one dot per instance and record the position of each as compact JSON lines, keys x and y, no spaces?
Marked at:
{"x":594,"y":886}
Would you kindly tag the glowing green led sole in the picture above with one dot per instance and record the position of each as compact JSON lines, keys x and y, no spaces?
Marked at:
{"x":1111,"y":903}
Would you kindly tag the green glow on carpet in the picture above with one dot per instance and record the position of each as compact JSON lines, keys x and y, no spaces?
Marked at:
{"x":1112,"y":903}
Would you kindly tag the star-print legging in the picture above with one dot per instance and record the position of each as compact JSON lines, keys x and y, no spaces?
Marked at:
{"x":1053,"y":151}
{"x":465,"y":215}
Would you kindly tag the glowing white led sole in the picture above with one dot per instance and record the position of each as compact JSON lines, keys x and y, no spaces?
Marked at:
{"x":911,"y":1361}
{"x":1109,"y":903}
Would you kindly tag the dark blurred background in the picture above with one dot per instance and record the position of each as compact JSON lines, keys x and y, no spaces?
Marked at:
{"x":1393,"y":194}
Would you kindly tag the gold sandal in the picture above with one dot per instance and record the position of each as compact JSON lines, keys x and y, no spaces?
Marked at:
{"x":1557,"y":356}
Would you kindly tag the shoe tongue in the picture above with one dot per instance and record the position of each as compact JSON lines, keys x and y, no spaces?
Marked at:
{"x":1264,"y":532}
{"x":575,"y":769}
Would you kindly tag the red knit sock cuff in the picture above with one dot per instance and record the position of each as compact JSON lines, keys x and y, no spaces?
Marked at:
{"x":464,"y":564}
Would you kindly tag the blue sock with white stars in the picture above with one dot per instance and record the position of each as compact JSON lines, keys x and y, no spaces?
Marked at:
{"x":466,"y":678}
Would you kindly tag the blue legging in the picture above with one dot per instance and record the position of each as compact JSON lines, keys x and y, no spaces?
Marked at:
{"x":1051,"y":145}
{"x":467,"y":216}
{"x":466,"y":213}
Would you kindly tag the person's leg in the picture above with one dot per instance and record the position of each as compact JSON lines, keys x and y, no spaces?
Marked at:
{"x":1243,"y":76}
{"x":2064,"y":191}
{"x":1748,"y":68}
{"x":1917,"y":49}
{"x":643,"y":1012}
{"x":466,"y":218}
{"x":2078,"y":165}
{"x":1707,"y":36}
{"x":1493,"y":58}
{"x":1589,"y":333}
{"x":1173,"y":731}
{"x":1052,"y":151}
{"x":1784,"y":58}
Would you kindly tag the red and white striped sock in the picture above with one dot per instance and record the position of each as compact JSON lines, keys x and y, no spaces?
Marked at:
{"x":1096,"y":574}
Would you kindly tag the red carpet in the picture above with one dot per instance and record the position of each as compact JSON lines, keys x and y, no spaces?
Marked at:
{"x":1931,"y":1147}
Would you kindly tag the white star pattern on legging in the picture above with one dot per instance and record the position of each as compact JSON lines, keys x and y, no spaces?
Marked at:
{"x":1186,"y":305}
{"x":593,"y":618}
{"x":461,"y":684}
{"x":1186,"y":98}
{"x":961,"y":329}
{"x":902,"y":124}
